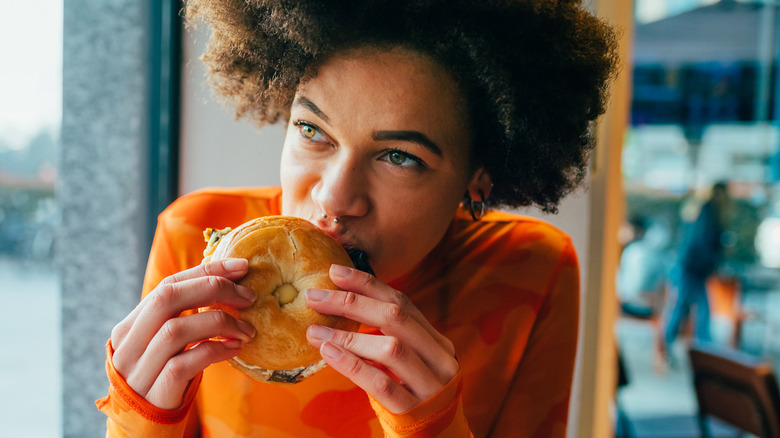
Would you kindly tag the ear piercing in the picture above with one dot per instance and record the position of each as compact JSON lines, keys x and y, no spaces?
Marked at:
{"x":335,"y":220}
{"x":323,"y":215}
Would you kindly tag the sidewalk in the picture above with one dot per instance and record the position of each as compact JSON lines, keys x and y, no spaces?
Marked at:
{"x":30,"y":381}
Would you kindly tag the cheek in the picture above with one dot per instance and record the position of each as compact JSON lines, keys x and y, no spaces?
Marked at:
{"x":297,"y":180}
{"x":416,"y":224}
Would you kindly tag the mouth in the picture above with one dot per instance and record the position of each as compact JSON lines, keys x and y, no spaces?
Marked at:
{"x":360,"y":260}
{"x":358,"y":256}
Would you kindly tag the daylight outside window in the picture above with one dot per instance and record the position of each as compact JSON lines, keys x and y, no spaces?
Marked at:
{"x":30,"y":114}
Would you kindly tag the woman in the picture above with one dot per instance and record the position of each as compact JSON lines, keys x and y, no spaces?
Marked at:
{"x":701,"y":252}
{"x":394,"y":114}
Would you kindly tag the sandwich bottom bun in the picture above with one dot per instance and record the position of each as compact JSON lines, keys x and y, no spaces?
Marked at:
{"x":287,"y":255}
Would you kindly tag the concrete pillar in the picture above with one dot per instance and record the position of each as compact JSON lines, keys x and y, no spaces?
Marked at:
{"x":102,"y":192}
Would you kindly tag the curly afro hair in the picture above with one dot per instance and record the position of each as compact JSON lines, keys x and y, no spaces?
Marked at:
{"x":535,"y":73}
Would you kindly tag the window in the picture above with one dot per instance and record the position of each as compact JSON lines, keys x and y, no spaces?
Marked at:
{"x":704,"y":110}
{"x":30,"y":114}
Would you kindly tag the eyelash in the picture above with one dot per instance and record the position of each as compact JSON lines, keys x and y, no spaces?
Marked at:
{"x":303,"y":124}
{"x":420,"y":164}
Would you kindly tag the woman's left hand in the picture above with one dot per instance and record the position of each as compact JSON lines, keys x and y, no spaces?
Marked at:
{"x":421,"y":358}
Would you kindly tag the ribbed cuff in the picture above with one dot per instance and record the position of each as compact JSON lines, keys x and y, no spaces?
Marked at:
{"x":436,"y":413}
{"x":127,"y":398}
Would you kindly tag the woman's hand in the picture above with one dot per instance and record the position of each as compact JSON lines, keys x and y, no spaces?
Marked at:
{"x":421,"y":358}
{"x":150,"y":344}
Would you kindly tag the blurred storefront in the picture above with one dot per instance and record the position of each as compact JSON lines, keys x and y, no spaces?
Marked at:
{"x":705,"y":109}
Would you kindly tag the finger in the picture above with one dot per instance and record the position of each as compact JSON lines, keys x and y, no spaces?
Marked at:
{"x":386,"y":350}
{"x":168,"y":389}
{"x":168,"y":301}
{"x":391,"y":319}
{"x":391,"y":394}
{"x":367,"y":285}
{"x":176,"y":334}
{"x":232,"y":269}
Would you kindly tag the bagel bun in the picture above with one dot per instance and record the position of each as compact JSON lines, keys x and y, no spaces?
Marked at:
{"x":286,"y":255}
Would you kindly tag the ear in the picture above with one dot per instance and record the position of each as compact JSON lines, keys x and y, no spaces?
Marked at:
{"x":480,"y":185}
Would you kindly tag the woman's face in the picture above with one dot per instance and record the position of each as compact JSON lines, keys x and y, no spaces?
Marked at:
{"x":379,"y":139}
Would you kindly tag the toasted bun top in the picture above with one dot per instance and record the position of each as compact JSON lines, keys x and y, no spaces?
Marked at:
{"x":282,"y":251}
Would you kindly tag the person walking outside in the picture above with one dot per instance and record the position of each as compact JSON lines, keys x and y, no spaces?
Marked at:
{"x":699,"y":257}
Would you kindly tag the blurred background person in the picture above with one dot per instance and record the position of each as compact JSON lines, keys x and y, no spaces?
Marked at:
{"x":699,"y":256}
{"x":641,"y":276}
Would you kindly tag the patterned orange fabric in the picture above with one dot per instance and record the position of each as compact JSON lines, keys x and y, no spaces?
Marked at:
{"x":504,"y":290}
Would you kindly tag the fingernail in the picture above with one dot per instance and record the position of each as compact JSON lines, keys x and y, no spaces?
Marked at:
{"x":331,"y":351}
{"x":246,"y":293}
{"x":247,"y":328}
{"x":317,"y":294}
{"x":320,"y":332}
{"x":340,"y":271}
{"x":232,"y":343}
{"x":233,"y":265}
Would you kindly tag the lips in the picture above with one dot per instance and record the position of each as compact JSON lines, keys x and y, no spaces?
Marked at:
{"x":358,"y":256}
{"x":334,"y":233}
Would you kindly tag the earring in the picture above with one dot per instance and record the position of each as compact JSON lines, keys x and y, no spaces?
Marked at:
{"x":335,"y":220}
{"x":323,"y":215}
{"x":477,"y":208}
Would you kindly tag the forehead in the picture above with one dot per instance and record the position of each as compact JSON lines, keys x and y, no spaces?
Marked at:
{"x":397,"y":88}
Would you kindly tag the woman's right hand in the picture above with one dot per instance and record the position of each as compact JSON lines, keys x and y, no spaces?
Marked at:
{"x":150,"y":344}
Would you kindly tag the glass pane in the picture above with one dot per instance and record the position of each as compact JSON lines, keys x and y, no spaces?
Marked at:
{"x":30,"y":113}
{"x":704,"y":111}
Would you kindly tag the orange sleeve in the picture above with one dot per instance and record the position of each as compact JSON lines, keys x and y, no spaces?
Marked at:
{"x":439,"y":416}
{"x":130,"y":415}
{"x":538,"y":401}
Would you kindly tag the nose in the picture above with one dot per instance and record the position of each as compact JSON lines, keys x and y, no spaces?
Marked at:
{"x":343,"y":189}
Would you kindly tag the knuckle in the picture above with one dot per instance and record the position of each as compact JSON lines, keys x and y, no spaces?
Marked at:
{"x":368,"y":280}
{"x":393,"y":349}
{"x":118,"y":359}
{"x":210,"y":268}
{"x":355,"y":367}
{"x":175,"y":369}
{"x":171,"y":279}
{"x":117,"y":333}
{"x":349,"y":298}
{"x":218,"y":318}
{"x":449,"y":347}
{"x":395,"y":313}
{"x":213,"y":283}
{"x":170,"y":330}
{"x":400,"y":299}
{"x":350,"y":341}
{"x":164,"y":296}
{"x":383,"y":385}
{"x":451,"y":367}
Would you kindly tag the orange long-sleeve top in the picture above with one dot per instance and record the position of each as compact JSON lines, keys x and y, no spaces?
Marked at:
{"x":504,"y":290}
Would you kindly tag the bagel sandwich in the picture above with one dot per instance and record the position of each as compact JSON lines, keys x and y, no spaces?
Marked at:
{"x":286,"y":255}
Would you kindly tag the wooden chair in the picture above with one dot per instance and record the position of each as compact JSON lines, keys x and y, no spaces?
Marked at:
{"x":737,"y":389}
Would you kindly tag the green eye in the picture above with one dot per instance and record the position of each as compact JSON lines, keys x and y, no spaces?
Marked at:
{"x":397,"y":158}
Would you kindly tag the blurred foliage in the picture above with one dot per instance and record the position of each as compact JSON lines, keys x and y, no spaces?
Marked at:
{"x":28,"y":209}
{"x":28,"y":219}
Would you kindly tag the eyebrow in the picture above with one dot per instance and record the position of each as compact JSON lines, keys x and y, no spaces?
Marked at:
{"x":412,"y":136}
{"x":303,"y":101}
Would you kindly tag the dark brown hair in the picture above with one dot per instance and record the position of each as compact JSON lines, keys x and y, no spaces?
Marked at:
{"x":535,"y":73}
